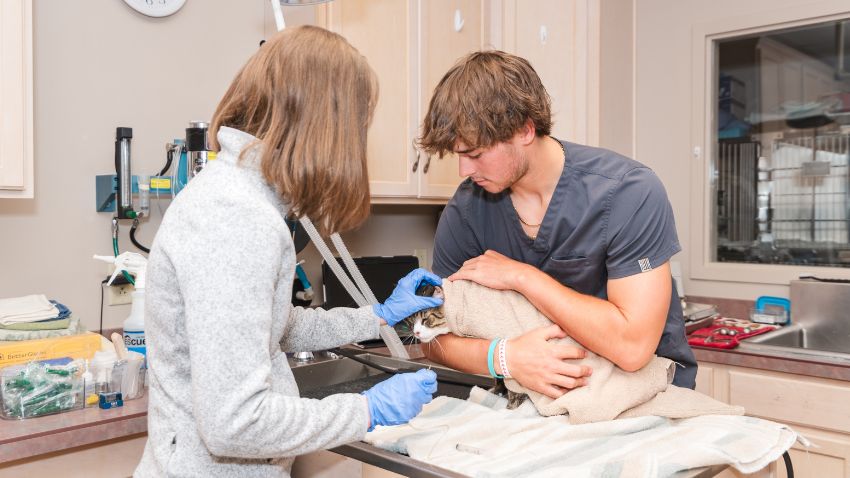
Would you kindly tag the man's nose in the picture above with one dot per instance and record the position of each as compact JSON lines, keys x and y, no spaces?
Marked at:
{"x":464,"y":166}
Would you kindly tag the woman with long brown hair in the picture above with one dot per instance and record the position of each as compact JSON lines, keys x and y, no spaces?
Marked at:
{"x":291,"y":136}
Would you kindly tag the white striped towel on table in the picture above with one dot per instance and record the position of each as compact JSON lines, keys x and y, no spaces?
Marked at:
{"x":479,"y":437}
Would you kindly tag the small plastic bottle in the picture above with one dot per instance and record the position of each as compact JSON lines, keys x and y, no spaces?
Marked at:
{"x":88,"y":386}
{"x":144,"y":195}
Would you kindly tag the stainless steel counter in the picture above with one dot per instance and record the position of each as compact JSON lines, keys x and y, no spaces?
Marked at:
{"x":329,"y":374}
{"x":816,"y":344}
{"x":404,"y":465}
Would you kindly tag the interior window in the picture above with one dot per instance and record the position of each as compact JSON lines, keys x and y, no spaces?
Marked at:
{"x":780,"y":181}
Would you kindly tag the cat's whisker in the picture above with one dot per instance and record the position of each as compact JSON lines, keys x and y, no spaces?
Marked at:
{"x":437,"y":341}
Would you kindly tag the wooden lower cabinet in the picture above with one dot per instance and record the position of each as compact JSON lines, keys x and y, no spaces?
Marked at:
{"x":816,"y":408}
{"x":108,"y":459}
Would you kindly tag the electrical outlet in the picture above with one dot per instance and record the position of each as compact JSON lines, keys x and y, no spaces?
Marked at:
{"x":422,"y":255}
{"x":120,"y":294}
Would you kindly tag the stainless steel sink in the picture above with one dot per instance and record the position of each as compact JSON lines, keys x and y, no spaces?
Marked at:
{"x":821,"y":327}
{"x":798,"y":342}
{"x":824,"y":339}
{"x":328,"y":374}
{"x":328,"y":370}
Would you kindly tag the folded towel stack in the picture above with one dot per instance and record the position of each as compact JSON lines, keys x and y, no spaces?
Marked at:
{"x":35,"y":317}
{"x":29,"y":308}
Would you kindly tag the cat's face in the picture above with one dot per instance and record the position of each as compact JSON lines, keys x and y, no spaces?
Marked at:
{"x":429,"y":324}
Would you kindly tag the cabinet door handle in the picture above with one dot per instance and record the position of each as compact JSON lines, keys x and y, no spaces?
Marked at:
{"x":458,"y":21}
{"x":416,"y":163}
{"x":427,"y":165}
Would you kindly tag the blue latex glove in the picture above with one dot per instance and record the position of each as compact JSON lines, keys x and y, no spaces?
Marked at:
{"x":399,"y":398}
{"x":404,"y":302}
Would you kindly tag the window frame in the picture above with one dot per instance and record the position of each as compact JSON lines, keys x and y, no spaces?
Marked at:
{"x":704,"y":84}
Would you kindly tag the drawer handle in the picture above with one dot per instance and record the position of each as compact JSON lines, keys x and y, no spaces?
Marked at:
{"x":416,"y":163}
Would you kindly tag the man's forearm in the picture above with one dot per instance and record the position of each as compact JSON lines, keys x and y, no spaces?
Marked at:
{"x":460,"y":353}
{"x":596,"y":324}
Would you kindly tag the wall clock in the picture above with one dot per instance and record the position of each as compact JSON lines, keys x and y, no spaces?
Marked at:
{"x":156,"y":8}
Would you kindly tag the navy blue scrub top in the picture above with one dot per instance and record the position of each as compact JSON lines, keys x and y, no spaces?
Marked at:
{"x":608,"y":218}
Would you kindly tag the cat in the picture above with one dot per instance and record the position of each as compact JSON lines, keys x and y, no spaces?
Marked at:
{"x":470,"y":309}
{"x":427,"y":324}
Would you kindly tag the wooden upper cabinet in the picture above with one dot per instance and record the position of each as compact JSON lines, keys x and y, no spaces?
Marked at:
{"x":787,"y":76}
{"x":410,"y":44}
{"x":16,"y":122}
{"x":552,"y":36}
{"x":384,"y":31}
{"x":450,"y":30}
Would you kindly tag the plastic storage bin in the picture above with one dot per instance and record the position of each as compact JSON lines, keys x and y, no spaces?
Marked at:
{"x":41,"y":388}
{"x":771,"y":310}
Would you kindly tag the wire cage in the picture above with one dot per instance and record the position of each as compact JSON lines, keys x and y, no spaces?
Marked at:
{"x":790,"y":206}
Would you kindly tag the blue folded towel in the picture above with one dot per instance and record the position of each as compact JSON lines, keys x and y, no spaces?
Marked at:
{"x":64,"y":311}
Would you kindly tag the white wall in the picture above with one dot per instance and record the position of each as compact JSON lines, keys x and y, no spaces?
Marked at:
{"x":663,"y":30}
{"x":616,"y":76}
{"x":98,"y":64}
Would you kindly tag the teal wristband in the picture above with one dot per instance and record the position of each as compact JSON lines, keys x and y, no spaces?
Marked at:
{"x":492,"y":349}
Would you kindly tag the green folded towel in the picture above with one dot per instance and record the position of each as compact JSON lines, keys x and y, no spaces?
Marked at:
{"x":73,"y":328}
{"x":50,"y":324}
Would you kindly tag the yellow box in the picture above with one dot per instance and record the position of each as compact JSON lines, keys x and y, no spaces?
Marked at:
{"x":75,"y":346}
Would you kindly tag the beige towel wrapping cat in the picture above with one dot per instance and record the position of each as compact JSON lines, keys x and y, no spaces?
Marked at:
{"x":477,"y":311}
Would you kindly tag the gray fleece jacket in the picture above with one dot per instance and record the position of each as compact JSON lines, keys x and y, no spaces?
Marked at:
{"x":223,"y":400}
